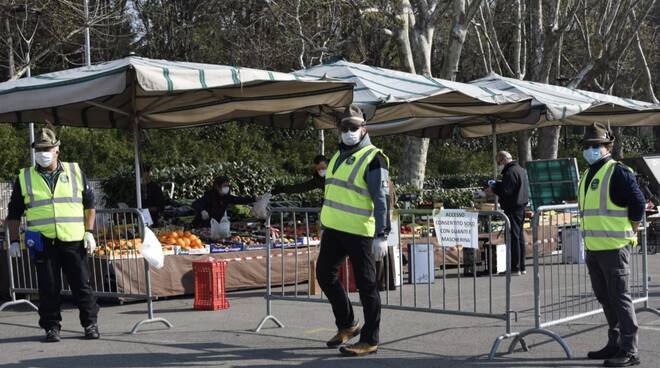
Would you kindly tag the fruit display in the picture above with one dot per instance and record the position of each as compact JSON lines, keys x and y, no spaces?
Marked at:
{"x":118,"y":247}
{"x":183,"y":239}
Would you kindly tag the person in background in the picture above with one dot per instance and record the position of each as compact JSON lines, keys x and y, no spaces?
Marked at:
{"x":152,"y":195}
{"x":513,"y":195}
{"x":316,"y":182}
{"x":611,"y":208}
{"x":58,"y":205}
{"x":215,"y":201}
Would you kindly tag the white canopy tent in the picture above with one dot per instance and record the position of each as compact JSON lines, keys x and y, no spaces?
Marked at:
{"x":556,"y":105}
{"x":397,"y":102}
{"x":136,"y":92}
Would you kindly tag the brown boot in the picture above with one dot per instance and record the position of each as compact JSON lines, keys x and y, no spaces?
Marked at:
{"x":358,"y":349}
{"x":343,"y":336}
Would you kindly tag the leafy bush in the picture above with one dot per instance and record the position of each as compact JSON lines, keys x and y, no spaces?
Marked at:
{"x":456,"y":181}
{"x":247,"y":178}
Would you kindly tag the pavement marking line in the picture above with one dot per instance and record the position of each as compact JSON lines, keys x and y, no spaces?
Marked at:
{"x":650,"y":328}
{"x":319,"y":329}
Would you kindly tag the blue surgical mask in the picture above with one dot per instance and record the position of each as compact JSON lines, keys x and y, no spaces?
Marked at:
{"x":592,"y":155}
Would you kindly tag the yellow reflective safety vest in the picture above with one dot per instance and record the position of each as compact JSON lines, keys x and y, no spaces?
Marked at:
{"x":605,"y":226}
{"x":58,"y":215}
{"x":347,"y":205}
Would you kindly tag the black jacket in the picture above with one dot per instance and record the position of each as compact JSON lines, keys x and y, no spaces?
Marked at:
{"x":512,"y":190}
{"x":316,"y":182}
{"x":153,"y":199}
{"x":215,"y":205}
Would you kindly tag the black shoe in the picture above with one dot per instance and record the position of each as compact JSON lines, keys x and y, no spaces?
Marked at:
{"x":53,"y":334}
{"x":608,"y":352}
{"x":92,"y":332}
{"x":622,"y":359}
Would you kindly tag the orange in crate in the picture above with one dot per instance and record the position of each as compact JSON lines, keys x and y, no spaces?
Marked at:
{"x":351,"y":277}
{"x":210,"y":285}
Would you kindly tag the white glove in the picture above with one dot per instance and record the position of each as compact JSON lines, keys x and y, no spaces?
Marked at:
{"x":379,"y":248}
{"x":205,"y":215}
{"x":491,"y":183}
{"x":15,"y":249}
{"x":90,"y":243}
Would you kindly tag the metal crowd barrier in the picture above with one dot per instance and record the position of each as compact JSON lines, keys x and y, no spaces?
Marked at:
{"x":447,"y":284}
{"x":118,"y":234}
{"x":562,"y":287}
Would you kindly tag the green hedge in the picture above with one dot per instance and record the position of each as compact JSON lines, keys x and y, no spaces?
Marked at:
{"x":247,"y":178}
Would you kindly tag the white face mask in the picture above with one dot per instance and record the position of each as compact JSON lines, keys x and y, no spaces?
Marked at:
{"x":592,"y":154}
{"x":351,"y":138}
{"x":225,"y":190}
{"x":44,"y":159}
{"x":321,"y":173}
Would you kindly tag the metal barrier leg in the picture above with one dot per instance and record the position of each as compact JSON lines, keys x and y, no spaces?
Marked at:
{"x":15,"y":301}
{"x":645,"y":308}
{"x":269,"y":316}
{"x":498,"y":341}
{"x":150,"y":307}
{"x":520,"y":338}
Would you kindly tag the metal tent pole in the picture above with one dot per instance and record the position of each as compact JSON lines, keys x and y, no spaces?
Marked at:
{"x":136,"y":144}
{"x":494,"y":135}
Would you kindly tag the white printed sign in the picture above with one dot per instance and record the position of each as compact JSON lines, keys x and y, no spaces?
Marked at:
{"x":146,"y":215}
{"x":456,"y":228}
{"x":393,"y":243}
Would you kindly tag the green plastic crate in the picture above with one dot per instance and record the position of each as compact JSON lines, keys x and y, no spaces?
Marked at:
{"x":552,"y":181}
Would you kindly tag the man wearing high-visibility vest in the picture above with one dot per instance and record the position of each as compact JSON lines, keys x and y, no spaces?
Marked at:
{"x":611,"y":209}
{"x":59,"y":209}
{"x":356,"y":223}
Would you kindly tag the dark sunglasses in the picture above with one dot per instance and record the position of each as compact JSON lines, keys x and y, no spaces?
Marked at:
{"x":595,"y":146}
{"x":345,"y":129}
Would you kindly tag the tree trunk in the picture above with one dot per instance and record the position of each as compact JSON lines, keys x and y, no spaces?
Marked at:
{"x":548,"y":142}
{"x":523,"y":140}
{"x":10,"y":49}
{"x":617,"y":151}
{"x":413,"y":165}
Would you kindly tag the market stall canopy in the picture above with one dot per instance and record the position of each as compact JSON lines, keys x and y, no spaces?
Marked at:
{"x":558,"y":105}
{"x":162,"y":94}
{"x":397,"y":102}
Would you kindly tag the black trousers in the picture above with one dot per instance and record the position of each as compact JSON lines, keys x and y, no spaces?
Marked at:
{"x":609,"y":271}
{"x":518,"y":249}
{"x":335,"y":246}
{"x":71,"y":259}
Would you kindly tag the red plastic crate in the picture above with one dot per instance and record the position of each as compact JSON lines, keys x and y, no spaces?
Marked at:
{"x":351,"y":277}
{"x":210,"y":285}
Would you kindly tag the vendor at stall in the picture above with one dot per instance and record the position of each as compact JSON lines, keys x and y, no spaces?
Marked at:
{"x":214,"y":203}
{"x":317,"y":181}
{"x":152,"y":195}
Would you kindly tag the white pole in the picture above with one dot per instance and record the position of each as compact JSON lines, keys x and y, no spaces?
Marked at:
{"x":136,"y":144}
{"x":88,"y":50}
{"x":322,"y":141}
{"x":29,"y":74}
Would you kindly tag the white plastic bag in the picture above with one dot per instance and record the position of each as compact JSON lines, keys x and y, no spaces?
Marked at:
{"x":220,"y":230}
{"x":260,"y":207}
{"x":152,"y":250}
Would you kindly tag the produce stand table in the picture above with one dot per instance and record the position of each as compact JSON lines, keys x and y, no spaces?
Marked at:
{"x":245,"y":270}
